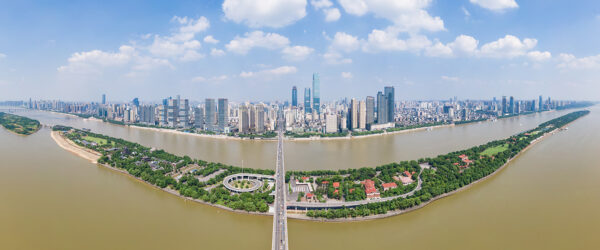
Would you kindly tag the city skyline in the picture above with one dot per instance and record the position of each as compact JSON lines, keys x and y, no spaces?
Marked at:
{"x":459,"y":48}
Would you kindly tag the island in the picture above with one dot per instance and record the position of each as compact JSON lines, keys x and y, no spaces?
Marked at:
{"x":19,"y":124}
{"x":326,"y":195}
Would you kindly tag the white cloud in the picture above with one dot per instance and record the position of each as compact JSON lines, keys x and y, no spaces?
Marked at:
{"x":211,"y":79}
{"x":210,"y":39}
{"x":450,"y":78}
{"x":217,"y":52}
{"x":95,"y":60}
{"x":332,"y":14}
{"x":241,"y":45}
{"x":539,"y":55}
{"x":296,"y":53}
{"x":388,"y":40}
{"x":347,"y":75}
{"x":181,"y":44}
{"x":466,"y":12}
{"x":507,"y":47}
{"x":344,"y":42}
{"x":407,"y":15}
{"x":569,"y":61}
{"x":271,"y":13}
{"x":283,"y":70}
{"x":496,"y":5}
{"x":2,"y":55}
{"x":334,"y":57}
{"x":319,"y":4}
{"x":463,"y":45}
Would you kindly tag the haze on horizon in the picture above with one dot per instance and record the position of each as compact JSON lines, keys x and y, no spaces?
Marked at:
{"x":251,"y":50}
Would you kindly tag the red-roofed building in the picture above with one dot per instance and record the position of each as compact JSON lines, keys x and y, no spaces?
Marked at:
{"x":336,"y":184}
{"x":370,"y":190}
{"x":351,"y":190}
{"x":336,"y":191}
{"x":407,"y":173}
{"x":388,"y":186}
{"x":309,"y":196}
{"x":305,"y":178}
{"x":325,"y":182}
{"x":462,"y":156}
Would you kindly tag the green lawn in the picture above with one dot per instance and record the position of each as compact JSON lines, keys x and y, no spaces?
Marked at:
{"x":535,"y":132}
{"x":495,"y":150}
{"x":97,"y":140}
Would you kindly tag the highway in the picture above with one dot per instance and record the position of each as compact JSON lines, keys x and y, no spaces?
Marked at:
{"x":280,"y":233}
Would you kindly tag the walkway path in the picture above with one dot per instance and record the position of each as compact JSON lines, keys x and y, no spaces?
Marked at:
{"x":280,"y":233}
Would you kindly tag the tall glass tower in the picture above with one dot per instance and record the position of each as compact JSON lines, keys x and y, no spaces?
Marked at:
{"x":223,"y":115}
{"x":294,"y":97}
{"x":316,"y":85}
{"x":389,"y":94}
{"x":307,"y":108}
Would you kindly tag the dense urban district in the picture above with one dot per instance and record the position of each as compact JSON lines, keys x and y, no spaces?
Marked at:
{"x":19,"y":124}
{"x":321,"y":194}
{"x":344,"y":118}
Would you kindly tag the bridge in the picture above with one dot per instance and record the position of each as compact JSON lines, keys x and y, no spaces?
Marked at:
{"x":280,"y":233}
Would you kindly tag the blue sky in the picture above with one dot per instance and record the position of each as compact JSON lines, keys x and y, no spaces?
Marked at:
{"x":257,"y":50}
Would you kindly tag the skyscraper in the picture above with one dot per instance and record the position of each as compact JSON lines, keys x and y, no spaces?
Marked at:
{"x":103,"y":99}
{"x":512,"y":105}
{"x":210,"y":113}
{"x":382,"y":105}
{"x":243,"y":119}
{"x":370,"y":110}
{"x":223,"y":109}
{"x":307,"y":108}
{"x":294,"y":97}
{"x":199,"y":117}
{"x":172,"y":113}
{"x":316,"y":86}
{"x":184,"y":112}
{"x":362,"y":115}
{"x":353,"y":114}
{"x":389,"y":93}
{"x":540,"y":104}
{"x":136,"y":102}
{"x":504,"y":108}
{"x":259,"y":112}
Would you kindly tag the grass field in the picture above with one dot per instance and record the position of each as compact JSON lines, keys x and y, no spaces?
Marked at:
{"x":495,"y":150}
{"x":97,"y":140}
{"x":19,"y":124}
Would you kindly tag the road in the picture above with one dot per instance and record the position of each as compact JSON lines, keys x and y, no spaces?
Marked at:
{"x":280,"y":233}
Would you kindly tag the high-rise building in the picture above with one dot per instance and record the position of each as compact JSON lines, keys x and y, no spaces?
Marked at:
{"x":243,"y":123}
{"x":382,"y":105}
{"x":199,"y":117}
{"x":316,"y":88}
{"x":307,"y":108}
{"x":172,"y":113}
{"x":540,"y":108}
{"x":146,"y":114}
{"x":210,"y":114}
{"x":391,"y":107}
{"x":294,"y":97}
{"x":504,"y":107}
{"x":223,"y":118}
{"x":259,"y":112}
{"x":184,"y":112}
{"x":252,"y":117}
{"x":511,"y":108}
{"x":136,"y":102}
{"x":370,"y":110}
{"x":331,"y":125}
{"x":353,"y":114}
{"x":103,"y":99}
{"x":362,"y":115}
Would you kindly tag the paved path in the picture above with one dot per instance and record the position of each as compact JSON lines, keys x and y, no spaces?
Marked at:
{"x":349,"y":204}
{"x":280,"y":233}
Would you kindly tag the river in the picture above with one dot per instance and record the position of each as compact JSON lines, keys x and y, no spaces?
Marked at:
{"x":547,"y":198}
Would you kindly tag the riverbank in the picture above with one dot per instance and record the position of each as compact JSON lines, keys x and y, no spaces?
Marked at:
{"x":93,"y":157}
{"x":300,"y":215}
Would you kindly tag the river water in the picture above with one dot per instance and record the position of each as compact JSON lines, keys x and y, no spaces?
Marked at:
{"x":547,"y":198}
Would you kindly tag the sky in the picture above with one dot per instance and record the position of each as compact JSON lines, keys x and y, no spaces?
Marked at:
{"x":256,"y":50}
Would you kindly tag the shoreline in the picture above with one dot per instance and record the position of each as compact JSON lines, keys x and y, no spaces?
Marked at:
{"x":93,"y":156}
{"x":87,"y":154}
{"x":302,"y":215}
